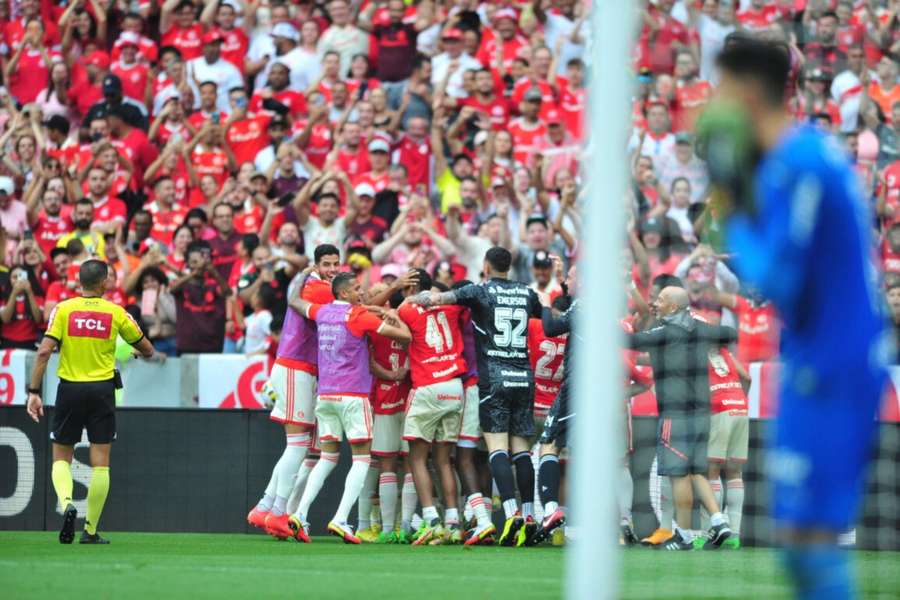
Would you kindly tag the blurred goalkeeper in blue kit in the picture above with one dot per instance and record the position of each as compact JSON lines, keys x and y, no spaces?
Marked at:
{"x":797,"y":223}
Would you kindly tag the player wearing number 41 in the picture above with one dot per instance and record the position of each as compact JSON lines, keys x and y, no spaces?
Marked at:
{"x":342,"y":407}
{"x":434,"y":409}
{"x":500,"y":310}
{"x":85,"y":330}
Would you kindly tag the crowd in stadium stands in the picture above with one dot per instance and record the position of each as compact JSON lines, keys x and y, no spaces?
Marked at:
{"x":206,"y":148}
{"x":410,"y":134}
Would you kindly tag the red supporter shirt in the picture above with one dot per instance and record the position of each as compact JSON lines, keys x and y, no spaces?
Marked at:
{"x":658,"y":46}
{"x":140,"y":151}
{"x":110,"y":210}
{"x":890,"y":259}
{"x":525,"y":138}
{"x":354,"y":164}
{"x":487,"y":53}
{"x":166,"y":131}
{"x":247,"y":137}
{"x":116,"y":296}
{"x":758,"y":331}
{"x":388,"y":397}
{"x":294,"y":100}
{"x":84,"y":95}
{"x":15,"y":33}
{"x":199,"y":118}
{"x":416,"y":157}
{"x":546,"y":355}
{"x":761,"y":18}
{"x":891,"y":177}
{"x":689,"y":102}
{"x":187,"y":40}
{"x":22,"y":327}
{"x":354,"y":84}
{"x":435,"y":353}
{"x":378,"y":182}
{"x":725,"y":390}
{"x":134,"y":79}
{"x":210,"y":162}
{"x":498,"y":109}
{"x":147,"y":50}
{"x":59,"y":291}
{"x":248,"y":221}
{"x":234,"y":47}
{"x":548,"y":94}
{"x":319,"y":144}
{"x":165,"y":222}
{"x":48,"y":230}
{"x":572,"y":103}
{"x":30,"y":76}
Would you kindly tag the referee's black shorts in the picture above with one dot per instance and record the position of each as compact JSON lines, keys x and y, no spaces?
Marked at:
{"x":83,"y":405}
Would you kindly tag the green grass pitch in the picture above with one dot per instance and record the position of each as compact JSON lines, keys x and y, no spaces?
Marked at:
{"x":154,"y":565}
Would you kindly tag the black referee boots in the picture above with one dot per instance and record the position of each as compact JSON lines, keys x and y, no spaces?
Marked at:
{"x":87,"y":538}
{"x":67,"y":533}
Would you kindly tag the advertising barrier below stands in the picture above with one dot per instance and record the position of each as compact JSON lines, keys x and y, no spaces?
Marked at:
{"x":231,"y":380}
{"x":192,"y":470}
{"x":217,"y":381}
{"x":13,"y":381}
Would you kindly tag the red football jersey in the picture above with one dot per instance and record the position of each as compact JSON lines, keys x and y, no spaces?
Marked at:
{"x":890,"y":260}
{"x":757,"y":331}
{"x":416,"y":157}
{"x":378,"y":182}
{"x":319,"y":144}
{"x":498,"y":109}
{"x":134,"y":79}
{"x":525,"y":139}
{"x":761,"y":18}
{"x":109,"y":210}
{"x":234,"y":47}
{"x":188,"y":40}
{"x":388,"y":397}
{"x":295,"y":102}
{"x":435,"y":353}
{"x":48,"y":230}
{"x":248,"y":221}
{"x":247,"y":137}
{"x":546,"y":356}
{"x":689,"y":102}
{"x":572,"y":103}
{"x":725,"y":391}
{"x":210,"y":162}
{"x":891,"y":182}
{"x":165,"y":222}
{"x":354,"y":164}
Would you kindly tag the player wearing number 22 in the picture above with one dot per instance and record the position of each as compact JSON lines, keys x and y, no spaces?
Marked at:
{"x":500,"y":311}
{"x":85,"y":330}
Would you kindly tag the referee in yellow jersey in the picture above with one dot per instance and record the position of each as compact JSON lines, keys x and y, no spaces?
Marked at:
{"x":85,"y":330}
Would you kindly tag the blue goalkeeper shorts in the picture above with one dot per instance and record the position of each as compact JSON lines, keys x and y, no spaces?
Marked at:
{"x":822,"y":448}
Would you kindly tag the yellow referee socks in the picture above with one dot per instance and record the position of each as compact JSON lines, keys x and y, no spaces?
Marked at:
{"x":61,"y":475}
{"x":96,"y":498}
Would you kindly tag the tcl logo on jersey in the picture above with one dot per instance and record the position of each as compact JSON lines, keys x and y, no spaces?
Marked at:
{"x":87,"y":323}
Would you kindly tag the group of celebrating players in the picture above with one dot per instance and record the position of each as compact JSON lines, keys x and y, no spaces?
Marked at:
{"x":471,"y":378}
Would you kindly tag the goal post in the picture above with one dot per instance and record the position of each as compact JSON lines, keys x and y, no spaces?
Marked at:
{"x":593,"y":559}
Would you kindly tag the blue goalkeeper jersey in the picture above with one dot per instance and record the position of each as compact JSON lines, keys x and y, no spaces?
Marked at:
{"x":808,"y":248}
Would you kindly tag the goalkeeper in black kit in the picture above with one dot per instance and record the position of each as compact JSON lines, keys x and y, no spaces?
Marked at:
{"x":556,"y":427}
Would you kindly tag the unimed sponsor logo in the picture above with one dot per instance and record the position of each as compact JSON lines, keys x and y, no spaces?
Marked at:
{"x":88,"y":323}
